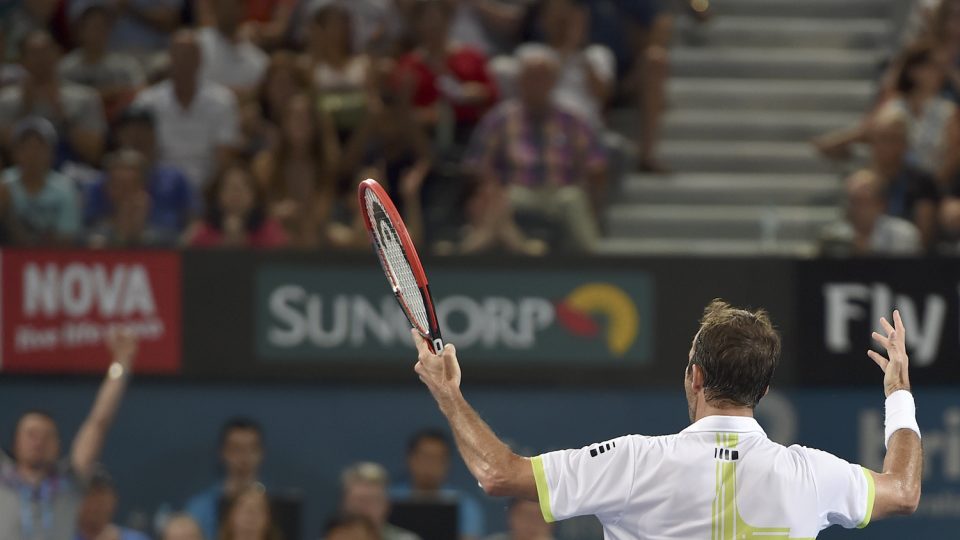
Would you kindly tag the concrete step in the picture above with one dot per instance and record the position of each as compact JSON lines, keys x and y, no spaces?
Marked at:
{"x":778,"y":31}
{"x":705,"y":247}
{"x":781,"y":95}
{"x":846,"y":9}
{"x":732,"y":189}
{"x":686,"y":124}
{"x":774,"y":63}
{"x":746,"y":222}
{"x":743,"y":157}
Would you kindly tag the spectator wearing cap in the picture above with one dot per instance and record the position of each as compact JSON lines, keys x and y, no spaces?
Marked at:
{"x":99,"y":505}
{"x":867,"y":229}
{"x":44,"y":205}
{"x":116,"y":75}
{"x":364,"y":493}
{"x":197,"y":121}
{"x":230,"y":59}
{"x":174,"y":204}
{"x":127,"y":225}
{"x":75,"y":110}
{"x":525,"y":522}
{"x":144,"y":27}
{"x":550,"y":161}
{"x":445,"y":76}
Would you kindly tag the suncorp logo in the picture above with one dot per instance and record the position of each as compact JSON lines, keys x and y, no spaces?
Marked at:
{"x":297,"y":317}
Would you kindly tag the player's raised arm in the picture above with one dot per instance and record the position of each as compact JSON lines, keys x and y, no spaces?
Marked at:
{"x":499,"y":471}
{"x":89,"y":440}
{"x":898,"y":486}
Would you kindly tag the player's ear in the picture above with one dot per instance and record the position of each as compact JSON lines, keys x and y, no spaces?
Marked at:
{"x":696,"y":378}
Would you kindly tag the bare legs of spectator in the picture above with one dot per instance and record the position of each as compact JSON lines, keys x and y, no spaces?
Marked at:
{"x":568,"y":205}
{"x":950,"y":220}
{"x":653,"y":73}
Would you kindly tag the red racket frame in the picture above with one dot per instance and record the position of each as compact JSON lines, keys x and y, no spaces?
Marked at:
{"x":432,"y":334}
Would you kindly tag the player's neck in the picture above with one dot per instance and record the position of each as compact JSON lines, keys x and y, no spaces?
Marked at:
{"x":705,"y":409}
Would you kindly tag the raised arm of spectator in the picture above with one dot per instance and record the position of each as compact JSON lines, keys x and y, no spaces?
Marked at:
{"x":897,"y":487}
{"x":89,"y":440}
{"x":499,"y":471}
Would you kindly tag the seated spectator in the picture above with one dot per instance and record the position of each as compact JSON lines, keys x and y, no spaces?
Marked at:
{"x":911,"y":193}
{"x":127,"y":225}
{"x":95,"y":521}
{"x":525,"y":521}
{"x":115,"y":75}
{"x":867,"y":230}
{"x":247,"y":517}
{"x":377,"y":24}
{"x":550,"y":161}
{"x":283,"y":80}
{"x":364,"y":493}
{"x":144,"y":27}
{"x":183,"y":527}
{"x":237,"y":215}
{"x":342,"y":77}
{"x":196,"y":120}
{"x":428,"y":464}
{"x":40,"y":493}
{"x":241,"y":453}
{"x":230,"y":59}
{"x":934,"y":123}
{"x":44,"y":206}
{"x":20,"y":19}
{"x":174,"y":205}
{"x":351,"y":528}
{"x":298,"y":175}
{"x":75,"y":111}
{"x":443,"y":74}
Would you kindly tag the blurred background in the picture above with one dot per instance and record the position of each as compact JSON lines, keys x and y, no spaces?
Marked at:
{"x":581,"y":179}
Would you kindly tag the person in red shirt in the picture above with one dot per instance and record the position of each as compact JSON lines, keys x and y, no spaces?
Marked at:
{"x":443,"y":76}
{"x":236,"y":214}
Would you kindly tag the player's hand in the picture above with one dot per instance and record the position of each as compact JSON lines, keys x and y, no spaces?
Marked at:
{"x":441,"y":373}
{"x":123,"y":345}
{"x":895,"y":366}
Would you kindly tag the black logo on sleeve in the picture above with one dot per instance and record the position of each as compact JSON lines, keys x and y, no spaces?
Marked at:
{"x":726,"y":454}
{"x":602,"y":447}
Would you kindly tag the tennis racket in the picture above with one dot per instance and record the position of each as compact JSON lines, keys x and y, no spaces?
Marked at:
{"x":399,"y":260}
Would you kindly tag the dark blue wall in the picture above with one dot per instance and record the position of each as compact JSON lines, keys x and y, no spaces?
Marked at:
{"x":162,"y":445}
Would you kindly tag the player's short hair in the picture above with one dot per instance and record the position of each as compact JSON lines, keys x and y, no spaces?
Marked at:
{"x":426,"y":435}
{"x":240,"y":423}
{"x":738,"y":350}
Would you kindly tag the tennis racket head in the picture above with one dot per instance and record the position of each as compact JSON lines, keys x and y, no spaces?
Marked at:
{"x":399,"y":260}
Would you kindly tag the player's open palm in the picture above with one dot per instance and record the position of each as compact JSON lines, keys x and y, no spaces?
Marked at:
{"x":441,"y":373}
{"x":895,"y":365}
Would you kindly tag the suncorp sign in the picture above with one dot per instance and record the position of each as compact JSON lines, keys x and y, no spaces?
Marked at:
{"x":555,"y":316}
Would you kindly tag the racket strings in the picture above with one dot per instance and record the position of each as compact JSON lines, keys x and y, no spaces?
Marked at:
{"x":395,"y":261}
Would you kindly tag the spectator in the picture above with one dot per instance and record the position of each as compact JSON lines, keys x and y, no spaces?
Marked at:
{"x":10,"y":71}
{"x":364,"y":494}
{"x":144,"y":27}
{"x":74,"y":110}
{"x":127,"y":225}
{"x":241,"y":452}
{"x":230,"y":59}
{"x":40,"y":494}
{"x":443,"y":74}
{"x":298,"y":175}
{"x":196,"y":121}
{"x":183,"y":527}
{"x":95,"y":520}
{"x":115,"y":75}
{"x":911,"y":194}
{"x":21,"y":19}
{"x":525,"y":521}
{"x":867,"y":230}
{"x":485,"y":25}
{"x":377,"y":24}
{"x":283,"y":80}
{"x":247,"y":517}
{"x":351,"y":528}
{"x":551,"y":161}
{"x":174,"y":205}
{"x":946,"y":34}
{"x":43,"y":203}
{"x":428,"y":463}
{"x":342,"y":77}
{"x":265,"y":22}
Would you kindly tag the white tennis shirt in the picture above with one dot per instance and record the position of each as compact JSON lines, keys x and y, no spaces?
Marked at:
{"x":719,"y":479}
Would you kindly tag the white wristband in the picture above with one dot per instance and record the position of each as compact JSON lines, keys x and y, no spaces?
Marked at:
{"x":901,"y":413}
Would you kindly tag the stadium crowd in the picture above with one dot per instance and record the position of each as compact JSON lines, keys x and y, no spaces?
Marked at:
{"x":903,"y":196}
{"x":225,"y":123}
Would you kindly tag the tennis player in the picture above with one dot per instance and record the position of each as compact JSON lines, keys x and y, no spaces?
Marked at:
{"x":721,"y":478}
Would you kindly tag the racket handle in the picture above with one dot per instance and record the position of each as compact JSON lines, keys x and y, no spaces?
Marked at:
{"x":437,"y":345}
